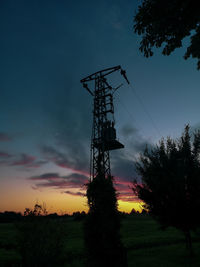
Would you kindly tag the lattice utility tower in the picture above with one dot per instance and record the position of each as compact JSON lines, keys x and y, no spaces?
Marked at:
{"x":103,"y":131}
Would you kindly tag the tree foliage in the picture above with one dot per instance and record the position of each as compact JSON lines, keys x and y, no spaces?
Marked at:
{"x":171,"y":182}
{"x":168,"y":22}
{"x":102,"y":225}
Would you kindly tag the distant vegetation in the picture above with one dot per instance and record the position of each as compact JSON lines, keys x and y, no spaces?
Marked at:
{"x":12,"y":217}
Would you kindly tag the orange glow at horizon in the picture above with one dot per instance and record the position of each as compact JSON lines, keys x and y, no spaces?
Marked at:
{"x":125,"y":206}
{"x":16,"y":196}
{"x":57,"y":202}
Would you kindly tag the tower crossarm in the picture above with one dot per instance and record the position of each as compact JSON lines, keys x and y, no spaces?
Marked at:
{"x":101,"y":73}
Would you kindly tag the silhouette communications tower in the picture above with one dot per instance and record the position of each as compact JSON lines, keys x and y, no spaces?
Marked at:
{"x":103,"y":130}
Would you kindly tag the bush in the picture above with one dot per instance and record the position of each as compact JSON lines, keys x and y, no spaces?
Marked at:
{"x":40,"y":241}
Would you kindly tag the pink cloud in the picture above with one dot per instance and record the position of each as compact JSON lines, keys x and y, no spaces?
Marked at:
{"x":77,"y":180}
{"x":124,"y":188}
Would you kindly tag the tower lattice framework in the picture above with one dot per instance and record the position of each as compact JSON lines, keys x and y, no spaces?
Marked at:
{"x":103,"y":132}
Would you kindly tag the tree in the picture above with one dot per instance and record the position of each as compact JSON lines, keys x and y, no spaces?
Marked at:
{"x":170,"y":185}
{"x":102,"y":225}
{"x":38,"y":210}
{"x":168,"y":22}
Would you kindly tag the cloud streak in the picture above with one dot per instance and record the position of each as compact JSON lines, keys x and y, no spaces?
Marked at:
{"x":27,"y":161}
{"x":77,"y":181}
{"x":75,"y":193}
{"x":125,"y":193}
{"x":74,"y":180}
{"x":69,"y":160}
{"x":5,"y":155}
{"x":24,"y":159}
{"x":4,"y":137}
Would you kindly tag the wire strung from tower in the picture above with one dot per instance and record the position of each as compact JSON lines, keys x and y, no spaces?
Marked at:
{"x":133,"y":91}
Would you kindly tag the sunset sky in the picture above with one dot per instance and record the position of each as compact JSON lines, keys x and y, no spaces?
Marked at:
{"x":46,"y":115}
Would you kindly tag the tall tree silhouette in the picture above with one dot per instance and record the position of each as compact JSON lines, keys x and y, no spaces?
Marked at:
{"x":102,"y":237}
{"x":168,"y":22}
{"x":171,"y":182}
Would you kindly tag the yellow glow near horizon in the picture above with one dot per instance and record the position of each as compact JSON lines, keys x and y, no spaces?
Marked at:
{"x":16,"y":196}
{"x":55,"y":202}
{"x":128,"y":206}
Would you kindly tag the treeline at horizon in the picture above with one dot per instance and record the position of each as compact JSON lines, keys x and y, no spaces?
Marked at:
{"x":13,"y":216}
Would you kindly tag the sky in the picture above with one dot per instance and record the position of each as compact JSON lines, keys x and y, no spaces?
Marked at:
{"x":46,"y":48}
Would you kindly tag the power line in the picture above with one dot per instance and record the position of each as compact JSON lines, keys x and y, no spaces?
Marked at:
{"x":130,"y":114}
{"x":133,"y":91}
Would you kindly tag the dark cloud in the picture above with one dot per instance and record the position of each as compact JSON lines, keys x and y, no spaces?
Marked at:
{"x":123,"y":167}
{"x":70,"y":159}
{"x":75,"y":193}
{"x":124,"y":160}
{"x":4,"y":137}
{"x":24,"y":159}
{"x":74,"y":180}
{"x":128,"y":130}
{"x":27,"y":161}
{"x":46,"y":176}
{"x":133,"y":140}
{"x":5,"y":155}
{"x":77,"y":178}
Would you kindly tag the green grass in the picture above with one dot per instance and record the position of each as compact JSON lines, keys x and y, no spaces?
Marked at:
{"x":8,"y":235}
{"x":146,"y":243}
{"x":142,"y":231}
{"x":74,"y":237}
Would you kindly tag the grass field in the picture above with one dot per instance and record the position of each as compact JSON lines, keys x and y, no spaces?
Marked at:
{"x":146,"y":243}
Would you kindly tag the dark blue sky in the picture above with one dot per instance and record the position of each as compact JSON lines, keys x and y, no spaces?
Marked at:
{"x":46,"y":48}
